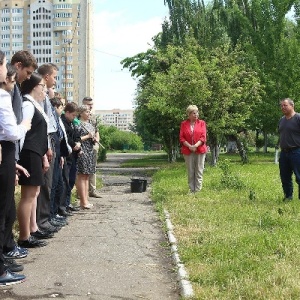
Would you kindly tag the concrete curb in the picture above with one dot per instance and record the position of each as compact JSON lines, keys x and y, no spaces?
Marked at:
{"x":186,"y":289}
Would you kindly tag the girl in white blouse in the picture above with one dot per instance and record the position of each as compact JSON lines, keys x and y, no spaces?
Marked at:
{"x":9,"y":133}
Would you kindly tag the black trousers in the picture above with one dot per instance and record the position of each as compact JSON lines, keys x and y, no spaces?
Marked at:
{"x":7,"y":189}
{"x":43,"y":201}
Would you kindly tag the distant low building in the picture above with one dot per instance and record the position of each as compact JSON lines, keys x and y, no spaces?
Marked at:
{"x":122,"y":119}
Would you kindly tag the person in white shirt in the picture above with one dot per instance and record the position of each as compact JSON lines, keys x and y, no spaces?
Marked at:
{"x":9,"y":133}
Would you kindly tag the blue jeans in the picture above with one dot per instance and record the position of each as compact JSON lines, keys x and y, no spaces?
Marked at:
{"x":289,"y":163}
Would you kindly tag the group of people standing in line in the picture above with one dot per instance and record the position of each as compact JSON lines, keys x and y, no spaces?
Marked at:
{"x":46,"y":146}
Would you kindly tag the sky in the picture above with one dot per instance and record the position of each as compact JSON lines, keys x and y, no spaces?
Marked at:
{"x":122,"y":28}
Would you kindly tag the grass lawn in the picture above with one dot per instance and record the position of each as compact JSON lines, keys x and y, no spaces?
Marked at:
{"x":237,"y":238}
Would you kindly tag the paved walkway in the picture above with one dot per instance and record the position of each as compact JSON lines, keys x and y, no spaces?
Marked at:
{"x":115,"y":251}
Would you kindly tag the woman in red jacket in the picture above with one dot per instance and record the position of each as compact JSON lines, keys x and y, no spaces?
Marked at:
{"x":193,"y":141}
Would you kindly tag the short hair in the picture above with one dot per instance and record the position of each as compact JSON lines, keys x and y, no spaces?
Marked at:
{"x":87,"y":99}
{"x":25,"y":58}
{"x":29,"y":84}
{"x":289,"y":100}
{"x":47,"y":69}
{"x":191,"y":108}
{"x":2,"y":56}
{"x":58,"y":95}
{"x":81,"y":109}
{"x":56,"y":102}
{"x":11,"y":70}
{"x":71,"y":107}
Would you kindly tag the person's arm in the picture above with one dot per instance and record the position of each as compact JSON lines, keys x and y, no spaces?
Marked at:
{"x":86,"y":137}
{"x":201,"y":134}
{"x":8,"y":123}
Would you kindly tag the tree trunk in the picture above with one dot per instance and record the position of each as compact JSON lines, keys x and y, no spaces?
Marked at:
{"x":265,"y":142}
{"x":215,"y":151}
{"x":256,"y":140}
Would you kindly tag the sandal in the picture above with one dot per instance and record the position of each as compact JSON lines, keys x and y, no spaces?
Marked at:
{"x":88,"y":206}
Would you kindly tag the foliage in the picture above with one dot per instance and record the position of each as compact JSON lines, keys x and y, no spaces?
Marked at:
{"x":235,"y":243}
{"x":228,"y":178}
{"x":113,"y":138}
{"x":121,"y":140}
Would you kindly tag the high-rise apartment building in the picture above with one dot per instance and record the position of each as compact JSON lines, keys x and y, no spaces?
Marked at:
{"x":57,"y":31}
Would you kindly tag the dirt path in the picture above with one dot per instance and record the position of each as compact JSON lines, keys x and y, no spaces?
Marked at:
{"x":115,"y":251}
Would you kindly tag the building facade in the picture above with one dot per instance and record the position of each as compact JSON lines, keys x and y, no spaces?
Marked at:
{"x":122,"y":119}
{"x":56,"y":31}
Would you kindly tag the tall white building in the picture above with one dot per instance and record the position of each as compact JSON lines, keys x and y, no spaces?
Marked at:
{"x":57,"y":31}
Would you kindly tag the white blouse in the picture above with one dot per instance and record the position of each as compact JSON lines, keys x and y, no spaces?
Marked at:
{"x":9,"y":130}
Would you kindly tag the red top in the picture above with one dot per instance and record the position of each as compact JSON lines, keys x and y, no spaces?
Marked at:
{"x":192,"y":137}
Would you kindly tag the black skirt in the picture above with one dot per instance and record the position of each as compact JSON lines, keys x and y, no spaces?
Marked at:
{"x":33,"y":162}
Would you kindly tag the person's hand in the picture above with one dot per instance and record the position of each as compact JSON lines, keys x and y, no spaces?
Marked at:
{"x":26,"y":123}
{"x":77,"y":146}
{"x":22,"y":169}
{"x":49,"y":154}
{"x":90,"y":135}
{"x":62,"y":161}
{"x":46,"y":164}
{"x":193,"y":148}
{"x":16,"y":179}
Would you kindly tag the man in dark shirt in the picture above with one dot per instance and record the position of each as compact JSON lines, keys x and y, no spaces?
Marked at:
{"x":74,"y":141}
{"x":289,"y":134}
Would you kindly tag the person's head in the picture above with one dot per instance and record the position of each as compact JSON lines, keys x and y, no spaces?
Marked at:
{"x":192,"y":112}
{"x":25,"y":64}
{"x":57,"y":94}
{"x":71,"y":111}
{"x":3,"y":69}
{"x":83,"y":112}
{"x":34,"y":86}
{"x":58,"y":105}
{"x":88,"y":101}
{"x":63,"y":101}
{"x":287,"y":106}
{"x":10,"y":80}
{"x":49,"y":73}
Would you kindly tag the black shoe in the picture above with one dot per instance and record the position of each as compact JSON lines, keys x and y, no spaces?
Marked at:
{"x":65,"y":213}
{"x":32,"y":242}
{"x":73,"y":208}
{"x":11,"y":265}
{"x":39,"y":234}
{"x":287,"y":199}
{"x":56,"y":223}
{"x":61,"y":219}
{"x":50,"y":228}
{"x":10,"y":278}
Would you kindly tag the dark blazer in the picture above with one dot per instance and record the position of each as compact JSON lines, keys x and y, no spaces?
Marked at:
{"x":73,"y":136}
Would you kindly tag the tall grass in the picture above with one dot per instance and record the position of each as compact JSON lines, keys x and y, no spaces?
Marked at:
{"x":238,"y":241}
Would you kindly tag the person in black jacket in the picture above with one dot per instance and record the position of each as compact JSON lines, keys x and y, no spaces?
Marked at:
{"x":70,"y":113}
{"x":62,"y":150}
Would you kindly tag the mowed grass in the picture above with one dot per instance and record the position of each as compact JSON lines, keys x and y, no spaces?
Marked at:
{"x":236,"y":243}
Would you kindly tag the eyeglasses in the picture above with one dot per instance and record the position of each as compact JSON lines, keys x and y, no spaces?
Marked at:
{"x":42,"y":84}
